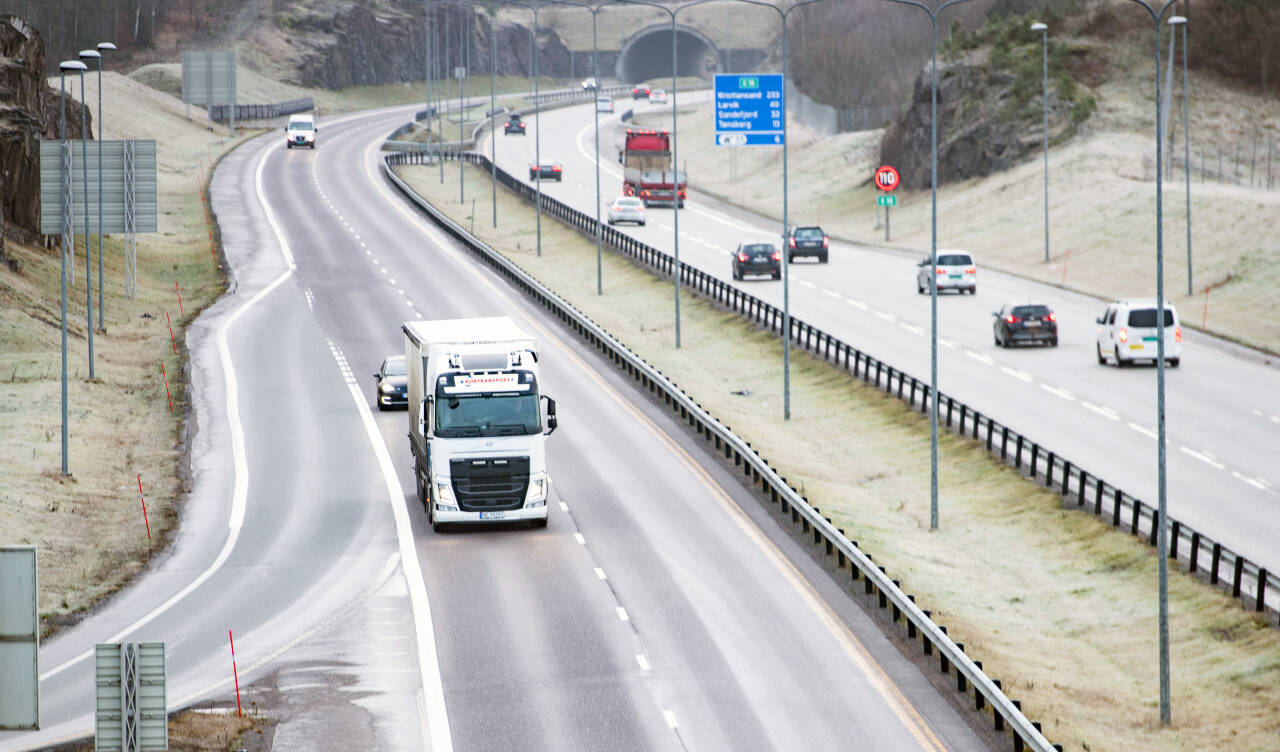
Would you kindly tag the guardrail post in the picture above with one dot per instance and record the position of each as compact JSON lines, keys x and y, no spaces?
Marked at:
{"x":1175,"y":529}
{"x":991,"y":427}
{"x":1155,"y":526}
{"x":1115,"y":511}
{"x":1137,"y":512}
{"x":1237,"y":576}
{"x":1262,"y":590}
{"x":1004,"y":443}
{"x":1084,"y":478}
{"x":964,"y":410}
{"x":998,"y":720}
{"x":1195,"y":551}
{"x":977,"y":419}
{"x":978,"y":700}
{"x":928,"y":646}
{"x":879,"y":369}
{"x":944,"y":665}
{"x":951,"y":404}
{"x":1213,"y":566}
{"x":1035,"y":453}
{"x":1017,"y":456}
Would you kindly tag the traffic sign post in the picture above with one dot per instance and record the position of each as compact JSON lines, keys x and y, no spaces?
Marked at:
{"x":750,"y":110}
{"x":887,"y":179}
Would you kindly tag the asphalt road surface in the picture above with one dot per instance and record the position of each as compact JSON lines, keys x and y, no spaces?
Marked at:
{"x":1223,"y":412}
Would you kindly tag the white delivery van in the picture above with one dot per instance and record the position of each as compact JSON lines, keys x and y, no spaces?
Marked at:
{"x":477,"y":427}
{"x":300,"y":132}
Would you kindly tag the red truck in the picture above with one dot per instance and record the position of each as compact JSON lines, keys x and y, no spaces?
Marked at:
{"x":647,"y":173}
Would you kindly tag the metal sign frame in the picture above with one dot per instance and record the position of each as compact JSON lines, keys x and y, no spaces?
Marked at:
{"x":208,"y":80}
{"x":19,"y":639}
{"x":750,"y":109}
{"x":131,"y":701}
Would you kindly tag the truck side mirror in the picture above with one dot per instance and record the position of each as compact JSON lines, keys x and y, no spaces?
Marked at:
{"x":552,"y":423}
{"x":422,"y":416}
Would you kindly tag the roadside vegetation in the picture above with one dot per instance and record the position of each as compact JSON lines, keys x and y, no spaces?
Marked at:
{"x":1064,"y":614}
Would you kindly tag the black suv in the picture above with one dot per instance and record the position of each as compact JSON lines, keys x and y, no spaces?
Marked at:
{"x":514,"y":124}
{"x":757,"y":258}
{"x":1025,"y":322}
{"x":807,"y":241}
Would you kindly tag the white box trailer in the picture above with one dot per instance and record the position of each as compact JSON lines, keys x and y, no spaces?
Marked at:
{"x":476,"y":421}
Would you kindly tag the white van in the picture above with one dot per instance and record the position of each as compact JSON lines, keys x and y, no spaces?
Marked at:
{"x":1127,"y":332}
{"x":300,"y":132}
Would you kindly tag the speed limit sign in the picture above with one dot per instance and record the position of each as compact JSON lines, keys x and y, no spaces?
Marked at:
{"x":887,"y":178}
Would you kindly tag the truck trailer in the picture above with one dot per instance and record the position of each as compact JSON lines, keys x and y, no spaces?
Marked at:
{"x":477,"y":421}
{"x":647,"y":171}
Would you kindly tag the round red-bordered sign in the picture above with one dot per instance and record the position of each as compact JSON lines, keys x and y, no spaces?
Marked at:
{"x":887,"y":178}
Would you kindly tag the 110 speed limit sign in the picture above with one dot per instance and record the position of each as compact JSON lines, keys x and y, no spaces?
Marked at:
{"x":887,"y":178}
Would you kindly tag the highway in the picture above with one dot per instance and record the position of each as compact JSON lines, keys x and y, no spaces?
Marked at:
{"x":1223,"y":413}
{"x":662,"y":608}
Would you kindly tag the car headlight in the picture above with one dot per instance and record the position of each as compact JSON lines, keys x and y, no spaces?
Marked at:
{"x":386,"y":387}
{"x":444,"y":496}
{"x":536,"y":496}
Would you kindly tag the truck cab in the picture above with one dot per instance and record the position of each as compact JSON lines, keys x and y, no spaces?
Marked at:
{"x":477,"y":421}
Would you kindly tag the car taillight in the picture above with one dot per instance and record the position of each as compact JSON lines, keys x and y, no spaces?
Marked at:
{"x":1177,"y":334}
{"x":941,"y":270}
{"x":971,"y":270}
{"x":793,"y":242}
{"x":1124,"y":334}
{"x":742,"y":257}
{"x":825,"y":241}
{"x":777,"y":255}
{"x":1052,"y":317}
{"x":556,"y":168}
{"x":1011,"y":319}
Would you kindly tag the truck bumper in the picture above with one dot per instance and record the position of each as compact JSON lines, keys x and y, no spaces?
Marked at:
{"x":514,"y":515}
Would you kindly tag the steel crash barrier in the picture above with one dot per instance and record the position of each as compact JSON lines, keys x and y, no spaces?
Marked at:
{"x":1257,"y":588}
{"x":1006,"y":714}
{"x":221,"y":112}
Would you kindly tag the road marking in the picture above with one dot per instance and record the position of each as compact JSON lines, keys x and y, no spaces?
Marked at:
{"x":1205,"y":458}
{"x":578,"y":537}
{"x":856,"y":303}
{"x":1258,"y":413}
{"x":832,"y":293}
{"x":1144,"y":431}
{"x":391,"y":281}
{"x":805,"y":283}
{"x":917,"y":330}
{"x":1251,"y":481}
{"x":980,"y":357}
{"x":644,"y":662}
{"x":1059,"y":392}
{"x":600,"y":573}
{"x":886,"y":316}
{"x":670,"y":718}
{"x":564,"y":507}
{"x":1105,"y":412}
{"x":1017,"y":374}
{"x":1275,"y":418}
{"x":950,"y":343}
{"x":622,"y":614}
{"x":397,"y":289}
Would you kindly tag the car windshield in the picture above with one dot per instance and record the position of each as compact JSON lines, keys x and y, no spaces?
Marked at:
{"x":394,"y":367}
{"x":628,"y":203}
{"x":300,"y":126}
{"x":955,"y":259}
{"x":1031,"y":310}
{"x":1146,"y":317}
{"x":809,"y":233}
{"x":759,"y":249}
{"x":604,"y":100}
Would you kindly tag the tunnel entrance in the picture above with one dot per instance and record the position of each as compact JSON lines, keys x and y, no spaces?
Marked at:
{"x":647,"y":54}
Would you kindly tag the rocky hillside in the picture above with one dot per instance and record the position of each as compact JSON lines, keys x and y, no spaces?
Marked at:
{"x":29,"y":112}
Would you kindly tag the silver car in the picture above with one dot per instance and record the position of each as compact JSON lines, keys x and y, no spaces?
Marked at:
{"x":626,"y":209}
{"x":956,"y":271}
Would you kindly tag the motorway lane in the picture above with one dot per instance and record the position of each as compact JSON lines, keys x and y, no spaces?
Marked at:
{"x":652,"y":612}
{"x":307,"y":539}
{"x":1223,"y":415}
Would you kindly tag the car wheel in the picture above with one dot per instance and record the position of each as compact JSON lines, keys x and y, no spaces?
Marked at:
{"x":1053,"y":342}
{"x":313,"y":145}
{"x":1119,"y":363}
{"x":777,"y":275}
{"x":1102,"y":360}
{"x":381,"y":407}
{"x":610,"y":222}
{"x":737,"y":274}
{"x":973,"y":290}
{"x":642,"y":224}
{"x":995,"y":337}
{"x":288,"y":145}
{"x":1173,"y":362}
{"x":822,"y":259}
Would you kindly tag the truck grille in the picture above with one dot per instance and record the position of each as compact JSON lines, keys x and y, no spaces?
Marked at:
{"x":490,"y":484}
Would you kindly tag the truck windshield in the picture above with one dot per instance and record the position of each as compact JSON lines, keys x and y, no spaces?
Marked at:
{"x":487,"y":404}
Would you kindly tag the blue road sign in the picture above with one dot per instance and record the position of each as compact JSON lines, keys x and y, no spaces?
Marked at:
{"x":749,"y":109}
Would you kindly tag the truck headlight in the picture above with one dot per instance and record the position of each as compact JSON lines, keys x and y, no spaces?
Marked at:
{"x":444,"y":496}
{"x":536,"y":496}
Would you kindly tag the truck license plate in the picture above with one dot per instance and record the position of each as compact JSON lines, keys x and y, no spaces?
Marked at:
{"x":493,"y":515}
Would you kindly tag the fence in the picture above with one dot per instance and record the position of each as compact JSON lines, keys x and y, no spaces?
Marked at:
{"x":1254,"y":163}
{"x":220,"y":112}
{"x":877,"y":583}
{"x":1246,"y":580}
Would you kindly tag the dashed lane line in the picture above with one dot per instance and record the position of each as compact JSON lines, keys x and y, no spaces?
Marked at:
{"x":1105,"y":412}
{"x":1203,"y":457}
{"x":1059,"y":392}
{"x":1144,"y":431}
{"x":987,"y":359}
{"x":1023,"y":375}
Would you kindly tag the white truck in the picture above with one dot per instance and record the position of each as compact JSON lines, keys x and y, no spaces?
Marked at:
{"x":476,"y":425}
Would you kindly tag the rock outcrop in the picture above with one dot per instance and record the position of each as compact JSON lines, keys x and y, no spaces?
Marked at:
{"x":29,"y":112}
{"x":981,"y":129}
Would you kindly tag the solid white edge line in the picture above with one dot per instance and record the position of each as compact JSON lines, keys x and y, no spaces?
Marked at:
{"x":622,"y":614}
{"x":642,"y":661}
{"x":670,"y":719}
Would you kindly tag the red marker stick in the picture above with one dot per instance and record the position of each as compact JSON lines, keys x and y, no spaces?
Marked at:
{"x":144,"y":507}
{"x":234,"y":672}
{"x":166,"y":387}
{"x":172,"y":341}
{"x":179,"y":292}
{"x":1064,"y":267}
{"x":1204,"y":319}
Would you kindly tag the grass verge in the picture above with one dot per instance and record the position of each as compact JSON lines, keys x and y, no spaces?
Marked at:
{"x":1051,"y":601}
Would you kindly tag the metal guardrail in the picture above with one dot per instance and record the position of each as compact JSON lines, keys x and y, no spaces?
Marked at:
{"x":1256,"y":587}
{"x":987,"y":692}
{"x":221,"y":112}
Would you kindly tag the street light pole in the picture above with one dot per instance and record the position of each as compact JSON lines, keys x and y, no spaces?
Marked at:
{"x":68,"y":235}
{"x":933,"y":263}
{"x":102,"y":47}
{"x":1186,"y":140}
{"x":1162,"y":535}
{"x":88,"y":245}
{"x":493,"y":105}
{"x":1044,"y":47}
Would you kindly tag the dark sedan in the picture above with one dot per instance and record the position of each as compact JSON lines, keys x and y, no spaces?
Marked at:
{"x":640,"y":92}
{"x":1025,"y":322}
{"x":392,"y":388}
{"x":757,"y":258}
{"x":808,"y":241}
{"x":514,"y":124}
{"x":546,"y":170}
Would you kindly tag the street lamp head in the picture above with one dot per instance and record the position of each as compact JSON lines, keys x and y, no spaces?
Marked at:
{"x":90,"y":54}
{"x":106,"y":46}
{"x":1178,"y":21}
{"x":1037,"y":26}
{"x":72,"y":65}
